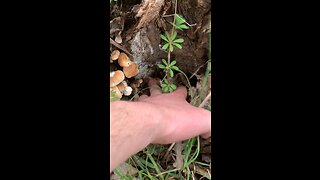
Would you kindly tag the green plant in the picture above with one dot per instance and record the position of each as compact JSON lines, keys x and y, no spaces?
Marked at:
{"x":172,"y":41}
{"x":167,"y":86}
{"x":113,"y":97}
{"x":180,"y":23}
{"x":169,"y":67}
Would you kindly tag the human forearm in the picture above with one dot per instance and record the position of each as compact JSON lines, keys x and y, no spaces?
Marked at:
{"x":131,"y":129}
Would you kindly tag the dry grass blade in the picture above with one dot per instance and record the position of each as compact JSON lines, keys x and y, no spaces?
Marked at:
{"x":205,"y":100}
{"x":179,"y":157}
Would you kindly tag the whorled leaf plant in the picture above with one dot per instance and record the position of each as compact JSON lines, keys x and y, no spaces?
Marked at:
{"x":170,"y":42}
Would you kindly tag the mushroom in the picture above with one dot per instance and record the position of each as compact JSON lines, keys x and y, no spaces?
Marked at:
{"x":115,"y":55}
{"x":116,"y":77}
{"x":131,"y":70}
{"x":122,"y":86}
{"x":118,"y":94}
{"x":127,"y":91}
{"x":124,"y":60}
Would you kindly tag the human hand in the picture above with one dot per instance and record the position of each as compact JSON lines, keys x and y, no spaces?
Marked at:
{"x":179,"y":119}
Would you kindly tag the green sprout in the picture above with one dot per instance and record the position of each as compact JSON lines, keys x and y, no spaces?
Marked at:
{"x":167,"y":86}
{"x":171,"y":40}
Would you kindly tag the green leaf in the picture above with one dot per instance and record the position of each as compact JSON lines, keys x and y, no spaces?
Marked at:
{"x":163,"y":85}
{"x":115,"y":99}
{"x":173,"y":63}
{"x":112,"y":93}
{"x":164,"y":62}
{"x":171,"y":73}
{"x":180,"y":40}
{"x":183,"y":26}
{"x":179,"y":20}
{"x":166,"y":89}
{"x":166,"y":81}
{"x":171,"y":48}
{"x":177,"y":27}
{"x":164,"y":38}
{"x":170,"y":89}
{"x":168,"y":35}
{"x":161,"y":66}
{"x":173,"y":86}
{"x":178,"y":45}
{"x":175,"y":68}
{"x":164,"y":47}
{"x":174,"y":35}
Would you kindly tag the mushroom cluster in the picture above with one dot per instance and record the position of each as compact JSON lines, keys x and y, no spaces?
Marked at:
{"x":117,"y":78}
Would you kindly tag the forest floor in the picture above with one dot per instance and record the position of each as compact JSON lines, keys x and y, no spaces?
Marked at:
{"x":136,"y":27}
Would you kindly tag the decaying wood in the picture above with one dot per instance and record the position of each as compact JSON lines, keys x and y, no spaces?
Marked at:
{"x":149,"y":10}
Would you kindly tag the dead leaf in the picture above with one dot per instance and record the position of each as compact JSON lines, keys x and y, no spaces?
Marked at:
{"x":116,"y":25}
{"x":202,"y":171}
{"x":126,"y":169}
{"x":179,"y":157}
{"x":118,"y":38}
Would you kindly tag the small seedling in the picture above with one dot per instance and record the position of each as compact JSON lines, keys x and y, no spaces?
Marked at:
{"x":169,"y":68}
{"x":171,"y":40}
{"x":167,"y":86}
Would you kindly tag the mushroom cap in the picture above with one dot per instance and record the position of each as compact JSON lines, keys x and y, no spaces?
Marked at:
{"x":124,"y":60}
{"x":115,"y":55}
{"x":127,"y":91}
{"x":116,"y":77}
{"x":122,"y":86}
{"x":118,"y":93}
{"x":131,"y":70}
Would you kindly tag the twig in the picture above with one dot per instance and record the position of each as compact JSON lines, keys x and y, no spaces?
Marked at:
{"x":167,"y":153}
{"x":198,"y":70}
{"x":205,"y":100}
{"x":119,"y":46}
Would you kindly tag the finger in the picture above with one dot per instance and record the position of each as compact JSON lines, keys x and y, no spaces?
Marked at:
{"x":142,"y":97}
{"x":181,"y":92}
{"x":154,"y":87}
{"x":195,"y":123}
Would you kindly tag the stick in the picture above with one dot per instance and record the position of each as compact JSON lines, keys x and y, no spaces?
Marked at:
{"x":205,"y":100}
{"x":119,"y":46}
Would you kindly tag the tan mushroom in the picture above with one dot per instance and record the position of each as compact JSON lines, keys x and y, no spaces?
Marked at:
{"x":116,"y":77}
{"x":118,"y":94}
{"x":122,"y":86}
{"x":131,"y":70}
{"x":124,"y":60}
{"x":115,"y":55}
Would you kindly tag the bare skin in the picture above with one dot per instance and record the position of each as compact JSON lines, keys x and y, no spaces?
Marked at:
{"x":158,"y":119}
